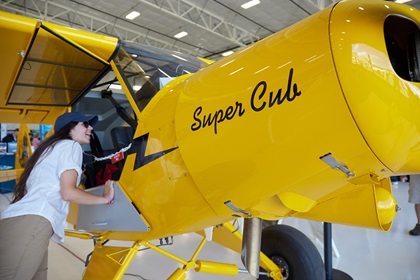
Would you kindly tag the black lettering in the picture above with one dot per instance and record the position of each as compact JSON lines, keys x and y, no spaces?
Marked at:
{"x":259,"y":101}
{"x":218,"y":117}
{"x":295,"y":90}
{"x":219,"y":120}
{"x":241,"y":110}
{"x":207,"y":121}
{"x":196,"y":125}
{"x":229,"y":111}
{"x":260,"y":96}
{"x":278,"y":98}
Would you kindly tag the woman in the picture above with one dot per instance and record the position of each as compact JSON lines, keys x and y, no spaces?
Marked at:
{"x":35,"y":140}
{"x":41,"y":199}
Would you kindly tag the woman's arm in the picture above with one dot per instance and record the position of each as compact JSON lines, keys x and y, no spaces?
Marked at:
{"x":70,"y":192}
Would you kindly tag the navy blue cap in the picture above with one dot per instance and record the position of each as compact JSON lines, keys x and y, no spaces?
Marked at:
{"x":67,"y":118}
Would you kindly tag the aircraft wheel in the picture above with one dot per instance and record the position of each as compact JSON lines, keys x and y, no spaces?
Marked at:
{"x":292,"y":251}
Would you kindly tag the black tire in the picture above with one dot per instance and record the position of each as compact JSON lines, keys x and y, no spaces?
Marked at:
{"x":291,"y":249}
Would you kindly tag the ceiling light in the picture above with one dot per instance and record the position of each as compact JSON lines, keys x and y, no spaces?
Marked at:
{"x":181,"y":34}
{"x":250,"y":4}
{"x":132,"y":15}
{"x":227,"y":53}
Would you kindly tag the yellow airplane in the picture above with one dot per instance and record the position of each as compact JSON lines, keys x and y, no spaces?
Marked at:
{"x":310,"y":122}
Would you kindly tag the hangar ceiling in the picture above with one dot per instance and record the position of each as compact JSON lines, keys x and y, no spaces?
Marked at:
{"x":213,"y":26}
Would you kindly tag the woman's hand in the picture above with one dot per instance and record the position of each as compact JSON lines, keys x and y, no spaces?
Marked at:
{"x":109,"y":191}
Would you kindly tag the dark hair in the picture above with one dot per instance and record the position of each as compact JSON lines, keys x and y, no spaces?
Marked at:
{"x":46,"y":147}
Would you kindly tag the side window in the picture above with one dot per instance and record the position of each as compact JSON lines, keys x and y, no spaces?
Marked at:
{"x":402,"y":37}
{"x":146,"y":69}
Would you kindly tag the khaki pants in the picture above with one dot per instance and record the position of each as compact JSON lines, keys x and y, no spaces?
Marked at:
{"x":24,"y":247}
{"x":414,"y":189}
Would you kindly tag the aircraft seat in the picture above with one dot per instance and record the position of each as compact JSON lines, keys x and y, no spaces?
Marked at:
{"x":121,"y":137}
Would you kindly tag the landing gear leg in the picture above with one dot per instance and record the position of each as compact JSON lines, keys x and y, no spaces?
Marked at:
{"x":331,"y":274}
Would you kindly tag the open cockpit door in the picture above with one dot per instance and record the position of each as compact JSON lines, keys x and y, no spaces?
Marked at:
{"x":47,"y":68}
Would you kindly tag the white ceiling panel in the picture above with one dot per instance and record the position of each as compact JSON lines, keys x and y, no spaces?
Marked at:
{"x":213,"y":26}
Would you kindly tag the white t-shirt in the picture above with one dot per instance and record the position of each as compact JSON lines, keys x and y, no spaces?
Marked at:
{"x":43,"y":195}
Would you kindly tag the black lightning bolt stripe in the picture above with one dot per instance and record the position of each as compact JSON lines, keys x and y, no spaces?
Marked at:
{"x":138,"y":147}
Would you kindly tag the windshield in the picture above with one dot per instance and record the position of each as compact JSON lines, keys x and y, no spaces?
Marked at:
{"x":147,"y":69}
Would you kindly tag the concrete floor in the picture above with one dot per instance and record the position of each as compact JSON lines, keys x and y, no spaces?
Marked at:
{"x":364,"y":254}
